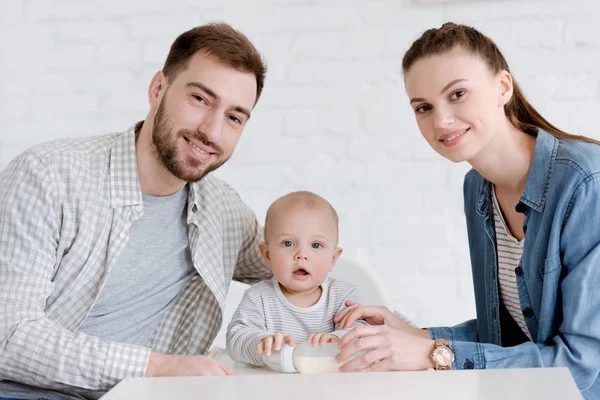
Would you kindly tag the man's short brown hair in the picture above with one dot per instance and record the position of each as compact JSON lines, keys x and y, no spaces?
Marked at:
{"x":221,"y":41}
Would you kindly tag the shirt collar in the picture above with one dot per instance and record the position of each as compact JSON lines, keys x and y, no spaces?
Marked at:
{"x":538,"y":179}
{"x":125,"y":186}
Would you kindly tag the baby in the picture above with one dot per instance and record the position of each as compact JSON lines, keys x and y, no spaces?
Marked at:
{"x":300,"y":302}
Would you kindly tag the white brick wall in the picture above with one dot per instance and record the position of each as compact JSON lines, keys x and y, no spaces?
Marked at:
{"x":333,"y":118}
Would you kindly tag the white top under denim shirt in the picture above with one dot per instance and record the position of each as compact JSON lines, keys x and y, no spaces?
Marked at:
{"x":559,"y":273}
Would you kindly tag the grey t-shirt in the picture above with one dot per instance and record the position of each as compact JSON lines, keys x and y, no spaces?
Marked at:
{"x":147,"y":277}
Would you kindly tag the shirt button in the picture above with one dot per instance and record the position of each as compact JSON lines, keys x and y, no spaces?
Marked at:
{"x":520,"y":208}
{"x":528,"y":312}
{"x":122,"y":235}
{"x":518,"y":271}
{"x":468,"y":364}
{"x":117,"y":202}
{"x":138,"y":208}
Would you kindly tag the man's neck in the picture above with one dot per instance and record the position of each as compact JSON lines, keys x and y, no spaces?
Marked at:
{"x":155,"y":178}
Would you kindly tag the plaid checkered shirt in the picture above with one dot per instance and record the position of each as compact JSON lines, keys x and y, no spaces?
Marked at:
{"x":65,"y":211}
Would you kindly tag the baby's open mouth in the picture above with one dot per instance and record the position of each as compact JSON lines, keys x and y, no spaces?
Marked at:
{"x":301,"y":271}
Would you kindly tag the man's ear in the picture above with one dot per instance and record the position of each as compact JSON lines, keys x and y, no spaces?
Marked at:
{"x":264,"y":250}
{"x":336,"y":255}
{"x":156,"y":89}
{"x":506,"y":88}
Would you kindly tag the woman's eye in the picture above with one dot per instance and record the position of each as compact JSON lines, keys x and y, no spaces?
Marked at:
{"x":457,"y":94}
{"x":288,"y":243}
{"x":317,"y":245}
{"x":422,"y":109}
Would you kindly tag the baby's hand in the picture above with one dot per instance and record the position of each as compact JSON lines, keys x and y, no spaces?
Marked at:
{"x":319,"y":339}
{"x":275,"y":342}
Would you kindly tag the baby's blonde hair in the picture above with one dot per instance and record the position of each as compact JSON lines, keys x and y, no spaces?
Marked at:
{"x":301,"y":199}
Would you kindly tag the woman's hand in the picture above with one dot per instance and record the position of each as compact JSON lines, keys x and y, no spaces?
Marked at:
{"x":385,"y":348}
{"x":374,"y":315}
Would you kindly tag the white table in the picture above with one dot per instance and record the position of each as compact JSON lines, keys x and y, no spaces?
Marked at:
{"x":255,"y":383}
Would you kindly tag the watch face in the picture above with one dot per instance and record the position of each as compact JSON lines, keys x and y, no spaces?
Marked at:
{"x":443,"y":356}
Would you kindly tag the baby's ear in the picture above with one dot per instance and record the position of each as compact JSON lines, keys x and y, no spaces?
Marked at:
{"x":336,"y":255}
{"x":264,"y":250}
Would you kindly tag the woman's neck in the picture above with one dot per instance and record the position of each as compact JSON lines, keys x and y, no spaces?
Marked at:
{"x":506,"y":160}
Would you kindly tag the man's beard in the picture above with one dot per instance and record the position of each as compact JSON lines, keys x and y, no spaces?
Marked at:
{"x":187,"y":169}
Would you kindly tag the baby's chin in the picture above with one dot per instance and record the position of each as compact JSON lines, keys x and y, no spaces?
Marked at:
{"x":300,"y":286}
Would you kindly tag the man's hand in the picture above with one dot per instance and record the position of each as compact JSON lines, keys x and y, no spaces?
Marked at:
{"x":275,"y":342}
{"x":319,"y":339}
{"x":161,"y":364}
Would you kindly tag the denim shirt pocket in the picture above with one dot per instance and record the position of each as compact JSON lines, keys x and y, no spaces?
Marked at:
{"x":551,"y":265}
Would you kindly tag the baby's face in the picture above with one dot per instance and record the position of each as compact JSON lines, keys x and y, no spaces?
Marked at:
{"x":302,"y":247}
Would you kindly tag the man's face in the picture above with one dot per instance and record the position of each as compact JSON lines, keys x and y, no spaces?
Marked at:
{"x":201,"y":116}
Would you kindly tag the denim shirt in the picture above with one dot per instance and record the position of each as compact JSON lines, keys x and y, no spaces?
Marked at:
{"x":558,"y":277}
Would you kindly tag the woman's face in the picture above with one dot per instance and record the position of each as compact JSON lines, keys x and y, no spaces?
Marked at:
{"x":458,"y":102}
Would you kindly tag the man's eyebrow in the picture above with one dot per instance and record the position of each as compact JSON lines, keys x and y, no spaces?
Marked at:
{"x":216,"y":97}
{"x":205,"y":89}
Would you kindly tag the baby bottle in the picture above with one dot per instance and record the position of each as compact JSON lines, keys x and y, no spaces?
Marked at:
{"x":304,"y":358}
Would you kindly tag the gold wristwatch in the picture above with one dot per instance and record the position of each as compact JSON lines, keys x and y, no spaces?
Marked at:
{"x":442,"y":355}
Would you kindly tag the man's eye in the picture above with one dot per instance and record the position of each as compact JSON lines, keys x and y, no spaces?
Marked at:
{"x":236,"y":119}
{"x":200,"y":99}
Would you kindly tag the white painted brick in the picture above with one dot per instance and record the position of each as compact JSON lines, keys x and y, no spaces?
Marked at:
{"x":583,"y":31}
{"x":167,"y":24}
{"x":125,"y":100}
{"x":344,"y":72}
{"x":92,"y":31}
{"x":63,"y":57}
{"x":531,"y":10}
{"x":99,"y":79}
{"x":43,"y":106}
{"x":122,"y":54}
{"x":317,"y":16}
{"x":575,"y":87}
{"x":346,"y":45}
{"x":155,"y":51}
{"x":548,"y":32}
{"x":73,"y":10}
{"x":11,"y":11}
{"x":288,"y":19}
{"x":323,"y":122}
{"x":15,"y":106}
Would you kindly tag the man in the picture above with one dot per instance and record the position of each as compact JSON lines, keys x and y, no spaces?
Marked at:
{"x":117,"y":251}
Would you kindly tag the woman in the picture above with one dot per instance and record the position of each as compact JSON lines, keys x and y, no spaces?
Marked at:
{"x":532,"y":204}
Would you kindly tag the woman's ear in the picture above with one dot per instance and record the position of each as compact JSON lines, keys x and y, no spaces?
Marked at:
{"x":506,"y":87}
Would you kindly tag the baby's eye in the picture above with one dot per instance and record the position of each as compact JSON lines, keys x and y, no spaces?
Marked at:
{"x":287,"y":243}
{"x":317,"y":245}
